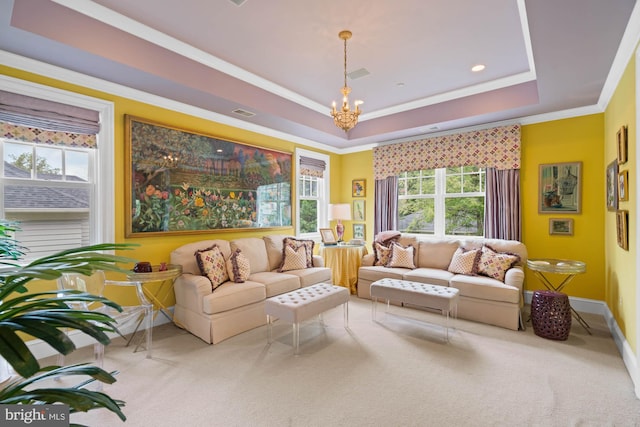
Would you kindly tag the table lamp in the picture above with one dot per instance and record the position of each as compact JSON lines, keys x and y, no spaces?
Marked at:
{"x":340,"y":212}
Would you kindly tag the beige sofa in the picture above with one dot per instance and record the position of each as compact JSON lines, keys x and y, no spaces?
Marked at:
{"x":234,"y":308}
{"x":482,"y":299}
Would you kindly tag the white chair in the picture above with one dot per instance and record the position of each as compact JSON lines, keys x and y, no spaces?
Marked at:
{"x":131,"y":317}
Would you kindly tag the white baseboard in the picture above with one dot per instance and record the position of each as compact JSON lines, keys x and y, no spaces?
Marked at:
{"x":600,"y":307}
{"x":41,"y":349}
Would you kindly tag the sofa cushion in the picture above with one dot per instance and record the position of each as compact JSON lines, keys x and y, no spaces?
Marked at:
{"x":238,"y":267}
{"x":276,"y":283}
{"x":401,"y":256}
{"x":184,"y":254}
{"x":485,"y":288}
{"x":495,"y":264}
{"x":212,"y":264}
{"x":432,"y":276}
{"x":293,"y":259}
{"x":296,"y":243}
{"x":382,"y":253}
{"x":273,"y":244}
{"x":436,"y":253}
{"x":313,"y":275}
{"x":231,"y":295}
{"x":465,"y":261}
{"x":256,"y":252}
{"x":377,"y":272}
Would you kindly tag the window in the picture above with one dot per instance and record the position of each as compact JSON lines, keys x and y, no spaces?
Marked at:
{"x":61,"y":195}
{"x":48,"y":191}
{"x":442,"y":202}
{"x":312,"y":193}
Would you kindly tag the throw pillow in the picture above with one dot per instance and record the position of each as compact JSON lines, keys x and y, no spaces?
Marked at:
{"x":294,"y":259}
{"x":211,"y":263}
{"x":495,"y":264}
{"x":295,"y":244}
{"x":465,"y":261}
{"x":238,"y":267}
{"x":401,"y":256}
{"x":382,"y":254}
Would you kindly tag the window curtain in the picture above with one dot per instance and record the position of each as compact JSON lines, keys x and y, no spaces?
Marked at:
{"x":495,"y":148}
{"x":312,"y":167}
{"x":502,"y":215}
{"x":36,"y":120}
{"x":386,"y":204}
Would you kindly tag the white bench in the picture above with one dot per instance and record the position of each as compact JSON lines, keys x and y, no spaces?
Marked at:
{"x":304,"y":303}
{"x":441,"y":298}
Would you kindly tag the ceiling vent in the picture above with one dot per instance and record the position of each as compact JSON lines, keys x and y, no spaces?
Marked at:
{"x":238,"y":2}
{"x":356,"y":74}
{"x":245,"y":113}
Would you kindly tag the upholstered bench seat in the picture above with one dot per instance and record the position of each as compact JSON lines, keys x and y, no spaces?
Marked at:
{"x":302,"y":304}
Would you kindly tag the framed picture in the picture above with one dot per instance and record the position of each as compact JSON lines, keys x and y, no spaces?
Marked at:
{"x":560,"y":188}
{"x":621,"y":137}
{"x":561,"y":226}
{"x":328,"y":237}
{"x":623,"y":185}
{"x":177,"y":182}
{"x":612,"y":186}
{"x":622,"y":223}
{"x":359,"y":188}
{"x":358,"y":210}
{"x":358,"y":231}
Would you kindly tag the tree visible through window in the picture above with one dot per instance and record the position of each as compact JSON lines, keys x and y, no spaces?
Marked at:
{"x":447,"y":201}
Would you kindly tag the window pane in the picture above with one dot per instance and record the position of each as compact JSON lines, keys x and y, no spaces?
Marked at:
{"x":454,"y":184}
{"x":402,"y":187}
{"x":308,"y":216}
{"x":413,"y":186}
{"x":18,"y":159}
{"x":416,"y":215}
{"x":76,"y":166}
{"x":48,"y":163}
{"x":429,"y":185}
{"x":464,"y":216}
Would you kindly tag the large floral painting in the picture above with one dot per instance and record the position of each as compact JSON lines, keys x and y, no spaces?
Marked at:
{"x":184,"y":182}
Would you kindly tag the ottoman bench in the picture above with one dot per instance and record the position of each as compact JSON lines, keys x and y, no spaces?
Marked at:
{"x":441,"y":298}
{"x":304,"y":303}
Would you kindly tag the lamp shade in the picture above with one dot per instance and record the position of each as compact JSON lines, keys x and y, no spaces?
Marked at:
{"x":340,"y":211}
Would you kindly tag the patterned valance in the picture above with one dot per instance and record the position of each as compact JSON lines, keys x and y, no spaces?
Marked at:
{"x":39,"y":136}
{"x":312,"y":167}
{"x":496,"y":147}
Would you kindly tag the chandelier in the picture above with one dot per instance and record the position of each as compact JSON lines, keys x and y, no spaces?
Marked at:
{"x":345,"y":118}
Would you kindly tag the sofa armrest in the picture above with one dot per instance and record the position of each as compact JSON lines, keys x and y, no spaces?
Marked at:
{"x":190,"y":290}
{"x":368,"y":260}
{"x":515,"y":277}
{"x":318,"y":261}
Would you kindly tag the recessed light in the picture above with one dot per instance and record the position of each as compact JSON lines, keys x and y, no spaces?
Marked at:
{"x":400,"y":84}
{"x":477,"y":68}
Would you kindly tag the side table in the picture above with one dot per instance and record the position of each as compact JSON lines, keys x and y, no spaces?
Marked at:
{"x":158,"y":294}
{"x":565,"y":267}
{"x":344,"y":262}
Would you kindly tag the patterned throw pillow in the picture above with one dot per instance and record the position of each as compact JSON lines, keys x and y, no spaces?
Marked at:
{"x":401,"y":256}
{"x":238,"y":267}
{"x":465,"y":261}
{"x":294,"y":259}
{"x":495,"y":264}
{"x":382,"y":254}
{"x":295,"y":244}
{"x":212,"y":264}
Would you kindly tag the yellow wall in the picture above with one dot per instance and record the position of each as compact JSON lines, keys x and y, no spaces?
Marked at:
{"x":621,"y":269}
{"x":571,"y":140}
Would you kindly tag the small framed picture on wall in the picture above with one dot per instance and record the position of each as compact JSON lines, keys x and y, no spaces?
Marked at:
{"x":359,"y":188}
{"x":358,"y":231}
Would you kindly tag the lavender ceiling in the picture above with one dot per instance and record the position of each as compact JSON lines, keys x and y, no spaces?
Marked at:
{"x":282,"y":59}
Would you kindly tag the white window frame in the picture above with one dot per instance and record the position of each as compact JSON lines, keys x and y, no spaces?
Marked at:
{"x":102,"y":222}
{"x":440,"y":197}
{"x":323,"y":192}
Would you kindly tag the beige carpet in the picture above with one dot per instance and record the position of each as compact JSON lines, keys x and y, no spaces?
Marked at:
{"x":397,"y":372}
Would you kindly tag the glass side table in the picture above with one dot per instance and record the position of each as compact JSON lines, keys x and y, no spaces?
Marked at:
{"x":158,"y":294}
{"x":565,"y":267}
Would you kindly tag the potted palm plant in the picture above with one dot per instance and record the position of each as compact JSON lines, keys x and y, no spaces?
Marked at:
{"x":47,"y":316}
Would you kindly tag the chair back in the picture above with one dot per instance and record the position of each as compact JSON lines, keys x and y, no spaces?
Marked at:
{"x":93,"y":284}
